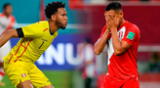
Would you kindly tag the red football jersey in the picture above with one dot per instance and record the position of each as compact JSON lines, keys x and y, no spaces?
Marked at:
{"x":124,"y":66}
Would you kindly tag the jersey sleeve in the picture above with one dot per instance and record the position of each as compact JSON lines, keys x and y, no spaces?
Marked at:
{"x":32,"y":31}
{"x":131,"y":35}
{"x":12,"y":23}
{"x":103,"y":30}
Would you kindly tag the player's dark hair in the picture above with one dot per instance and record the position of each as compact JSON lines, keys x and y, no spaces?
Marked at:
{"x":113,"y":6}
{"x":6,"y":5}
{"x":52,"y":8}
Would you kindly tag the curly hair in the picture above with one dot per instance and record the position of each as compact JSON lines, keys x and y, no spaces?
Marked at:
{"x":6,"y":5}
{"x":52,"y":8}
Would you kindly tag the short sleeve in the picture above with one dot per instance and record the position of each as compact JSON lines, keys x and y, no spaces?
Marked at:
{"x":33,"y":31}
{"x":131,"y":36}
{"x":103,"y":30}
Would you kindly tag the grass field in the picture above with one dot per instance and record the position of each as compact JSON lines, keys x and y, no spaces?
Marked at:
{"x":60,"y":79}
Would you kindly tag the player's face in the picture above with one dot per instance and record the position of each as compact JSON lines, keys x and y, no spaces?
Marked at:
{"x":8,"y":10}
{"x":61,"y":18}
{"x":113,"y":13}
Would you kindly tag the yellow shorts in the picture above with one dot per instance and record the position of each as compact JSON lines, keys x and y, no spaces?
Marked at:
{"x":21,"y":71}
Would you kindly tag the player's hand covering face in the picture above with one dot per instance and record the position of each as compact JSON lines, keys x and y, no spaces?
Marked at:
{"x":61,"y":18}
{"x":113,"y":18}
{"x":114,"y":21}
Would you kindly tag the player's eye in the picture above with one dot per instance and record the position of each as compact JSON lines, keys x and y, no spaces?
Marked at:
{"x":63,"y":14}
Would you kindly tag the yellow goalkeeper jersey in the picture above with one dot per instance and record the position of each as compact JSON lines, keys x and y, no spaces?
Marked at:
{"x":35,"y":39}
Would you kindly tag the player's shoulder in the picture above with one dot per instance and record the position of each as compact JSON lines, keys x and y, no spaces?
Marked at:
{"x":35,"y":27}
{"x":12,"y":17}
{"x":131,"y":26}
{"x":40,"y":24}
{"x":43,"y":24}
{"x":103,"y":28}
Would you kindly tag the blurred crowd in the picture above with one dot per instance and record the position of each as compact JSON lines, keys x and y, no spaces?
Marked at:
{"x":7,"y":22}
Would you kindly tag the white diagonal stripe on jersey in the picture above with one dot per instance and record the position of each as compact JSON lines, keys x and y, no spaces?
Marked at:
{"x":110,"y":50}
{"x":110,"y":45}
{"x":121,"y":32}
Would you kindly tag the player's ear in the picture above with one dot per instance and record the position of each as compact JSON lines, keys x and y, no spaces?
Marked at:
{"x":121,"y":13}
{"x":53,"y":17}
{"x":105,"y":13}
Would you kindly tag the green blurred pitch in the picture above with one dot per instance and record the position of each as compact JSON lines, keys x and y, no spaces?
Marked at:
{"x":60,"y":79}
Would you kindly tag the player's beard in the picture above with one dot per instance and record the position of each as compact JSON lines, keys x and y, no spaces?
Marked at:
{"x":60,"y":25}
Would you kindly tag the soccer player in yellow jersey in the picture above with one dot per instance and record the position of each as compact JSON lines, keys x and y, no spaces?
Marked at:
{"x":35,"y":39}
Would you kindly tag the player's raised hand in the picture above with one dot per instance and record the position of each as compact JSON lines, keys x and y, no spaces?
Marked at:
{"x":107,"y":26}
{"x":113,"y":22}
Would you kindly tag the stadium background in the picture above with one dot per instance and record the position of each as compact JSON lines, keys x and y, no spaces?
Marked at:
{"x":60,"y":62}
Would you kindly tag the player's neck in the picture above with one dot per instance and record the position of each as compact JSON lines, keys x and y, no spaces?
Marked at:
{"x":122,"y":22}
{"x":7,"y":15}
{"x":52,"y":26}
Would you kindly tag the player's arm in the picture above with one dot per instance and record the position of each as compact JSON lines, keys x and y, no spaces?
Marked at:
{"x":119,"y":47}
{"x":7,"y":35}
{"x":101,"y":42}
{"x":28,"y":31}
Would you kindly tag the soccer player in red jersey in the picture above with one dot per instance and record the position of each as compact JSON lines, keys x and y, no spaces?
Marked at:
{"x":122,"y":38}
